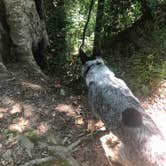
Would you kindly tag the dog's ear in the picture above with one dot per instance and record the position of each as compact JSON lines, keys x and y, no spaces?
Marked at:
{"x":131,"y":117}
{"x":83,"y":56}
{"x":97,"y":52}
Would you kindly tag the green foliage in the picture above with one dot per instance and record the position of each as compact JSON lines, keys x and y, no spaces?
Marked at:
{"x":76,"y":17}
{"x":144,"y":69}
{"x":56,"y":27}
{"x":143,"y":55}
{"x":33,"y":136}
{"x":119,"y":15}
{"x":116,"y":18}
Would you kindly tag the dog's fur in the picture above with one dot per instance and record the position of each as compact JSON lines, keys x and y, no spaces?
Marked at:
{"x":112,"y":100}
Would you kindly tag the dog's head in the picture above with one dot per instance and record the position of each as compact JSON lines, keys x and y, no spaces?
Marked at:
{"x":84,"y":58}
{"x":90,"y":61}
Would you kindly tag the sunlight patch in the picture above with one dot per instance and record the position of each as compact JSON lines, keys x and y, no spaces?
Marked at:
{"x":28,"y":110}
{"x":1,"y":115}
{"x":157,"y":145}
{"x":43,"y":128}
{"x":159,"y":118}
{"x":32,"y":86}
{"x":19,"y":124}
{"x":79,"y":120}
{"x":68,"y":109}
{"x":17,"y":108}
{"x":3,"y":110}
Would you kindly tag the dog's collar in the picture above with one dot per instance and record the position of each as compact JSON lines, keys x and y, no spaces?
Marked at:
{"x":90,"y":66}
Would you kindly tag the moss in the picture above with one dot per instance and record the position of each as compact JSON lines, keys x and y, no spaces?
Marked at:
{"x":14,"y":132}
{"x":33,"y":136}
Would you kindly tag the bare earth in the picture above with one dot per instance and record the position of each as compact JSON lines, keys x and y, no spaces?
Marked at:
{"x":37,"y":113}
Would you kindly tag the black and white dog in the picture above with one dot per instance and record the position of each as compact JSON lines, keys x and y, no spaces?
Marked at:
{"x":110,"y":98}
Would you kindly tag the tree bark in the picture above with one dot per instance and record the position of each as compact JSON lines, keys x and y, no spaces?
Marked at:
{"x":2,"y":67}
{"x":99,"y":25}
{"x":22,"y":27}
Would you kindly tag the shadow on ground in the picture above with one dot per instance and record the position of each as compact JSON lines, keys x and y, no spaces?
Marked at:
{"x":39,"y":119}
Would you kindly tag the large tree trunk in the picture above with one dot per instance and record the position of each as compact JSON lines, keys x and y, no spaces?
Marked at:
{"x":22,"y":27}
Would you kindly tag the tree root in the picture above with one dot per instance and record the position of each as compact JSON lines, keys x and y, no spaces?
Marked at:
{"x":39,"y":161}
{"x":73,"y":147}
{"x":59,"y":153}
{"x":63,"y":152}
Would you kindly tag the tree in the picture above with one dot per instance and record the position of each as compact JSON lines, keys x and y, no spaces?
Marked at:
{"x":23,"y":35}
{"x":99,"y":24}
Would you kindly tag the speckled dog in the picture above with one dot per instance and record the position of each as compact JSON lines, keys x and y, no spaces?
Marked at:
{"x":112,"y":100}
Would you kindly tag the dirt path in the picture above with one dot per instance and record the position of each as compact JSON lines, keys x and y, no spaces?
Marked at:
{"x":37,"y":114}
{"x":156,"y":106}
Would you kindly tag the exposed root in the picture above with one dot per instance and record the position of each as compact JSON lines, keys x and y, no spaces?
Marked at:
{"x":39,"y":161}
{"x":63,"y":153}
{"x":73,"y":147}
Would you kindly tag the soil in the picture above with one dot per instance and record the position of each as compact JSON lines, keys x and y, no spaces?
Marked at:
{"x":37,"y":112}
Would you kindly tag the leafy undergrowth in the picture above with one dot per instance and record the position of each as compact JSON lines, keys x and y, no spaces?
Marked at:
{"x":142,"y":63}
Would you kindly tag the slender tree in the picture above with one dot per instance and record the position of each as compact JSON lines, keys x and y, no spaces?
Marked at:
{"x":99,"y":24}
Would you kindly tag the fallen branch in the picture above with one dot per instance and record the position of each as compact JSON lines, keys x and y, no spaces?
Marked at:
{"x":39,"y":161}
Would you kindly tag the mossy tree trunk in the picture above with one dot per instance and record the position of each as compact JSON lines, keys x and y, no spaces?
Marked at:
{"x":23,"y":35}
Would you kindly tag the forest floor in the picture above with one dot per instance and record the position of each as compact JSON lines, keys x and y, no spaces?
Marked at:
{"x":40,"y":118}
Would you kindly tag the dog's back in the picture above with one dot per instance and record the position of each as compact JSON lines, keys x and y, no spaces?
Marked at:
{"x":111,"y":99}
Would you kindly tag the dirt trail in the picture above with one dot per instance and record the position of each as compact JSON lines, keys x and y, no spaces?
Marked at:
{"x":36,"y":113}
{"x":156,"y":106}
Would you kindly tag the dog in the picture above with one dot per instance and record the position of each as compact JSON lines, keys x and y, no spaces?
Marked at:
{"x":142,"y":143}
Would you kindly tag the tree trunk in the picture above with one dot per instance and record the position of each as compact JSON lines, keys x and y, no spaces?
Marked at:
{"x":22,"y":27}
{"x":2,"y":67}
{"x":99,"y":24}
